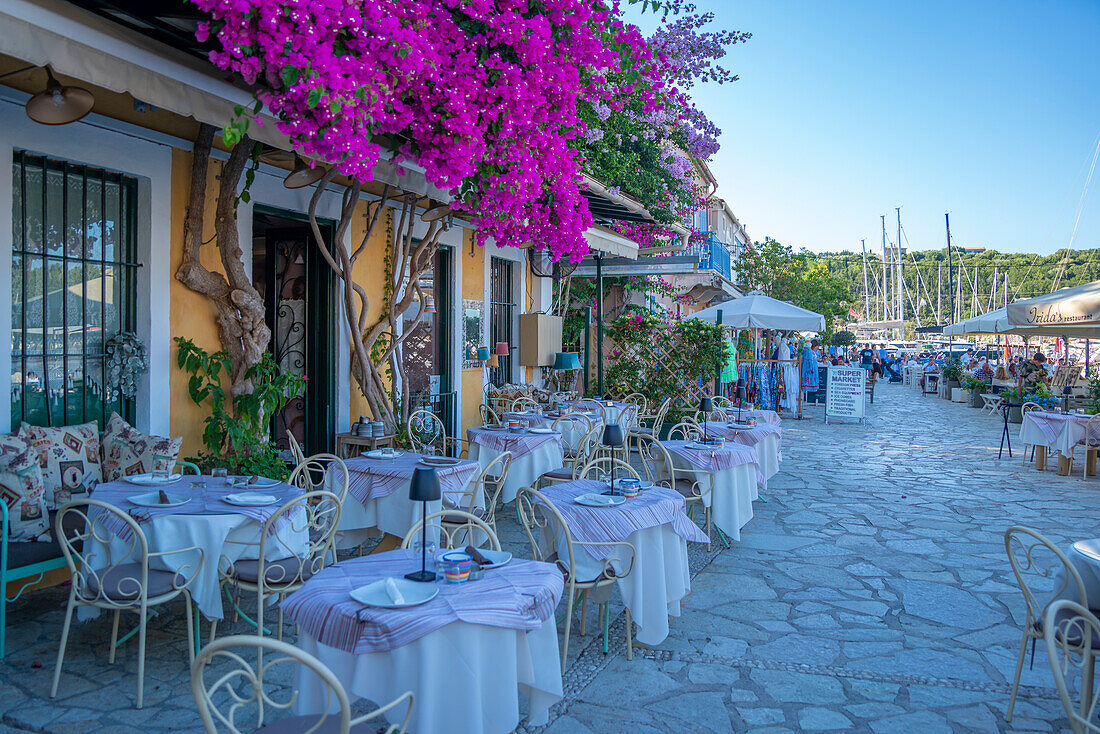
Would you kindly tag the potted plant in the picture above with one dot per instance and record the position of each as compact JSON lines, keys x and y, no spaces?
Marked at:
{"x":975,"y":387}
{"x":952,"y":372}
{"x":1013,"y":395}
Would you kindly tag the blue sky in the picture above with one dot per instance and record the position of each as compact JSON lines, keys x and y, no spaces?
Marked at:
{"x":844,"y":110}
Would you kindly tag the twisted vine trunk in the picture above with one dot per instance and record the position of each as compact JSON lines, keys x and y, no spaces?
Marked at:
{"x":242,"y":329}
{"x":378,"y":347}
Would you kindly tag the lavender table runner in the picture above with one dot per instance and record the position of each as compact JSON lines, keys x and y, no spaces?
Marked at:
{"x":651,"y":508}
{"x":745,"y":436}
{"x":713,"y":459}
{"x":518,"y":443}
{"x":372,"y":479}
{"x":520,"y":595}
{"x":204,"y":501}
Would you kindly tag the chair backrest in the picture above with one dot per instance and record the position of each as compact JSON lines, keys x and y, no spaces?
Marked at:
{"x":1092,"y":432}
{"x":1025,"y":547}
{"x":656,"y":461}
{"x":427,"y":433}
{"x":566,"y":425}
{"x":639,"y":401}
{"x":628,"y":418}
{"x":682,"y":430}
{"x":238,"y":689}
{"x":717,"y":414}
{"x":604,"y":465}
{"x":544,"y":527}
{"x":81,"y":522}
{"x":1071,"y":633}
{"x":295,"y":448}
{"x":308,"y":520}
{"x":321,"y":471}
{"x":1030,"y":406}
{"x":456,"y":529}
{"x":490,"y":481}
{"x":489,"y":416}
{"x":524,"y":403}
{"x":182,"y":467}
{"x":590,"y":404}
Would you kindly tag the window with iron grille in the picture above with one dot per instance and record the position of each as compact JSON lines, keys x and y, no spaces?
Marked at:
{"x":73,"y":288}
{"x":502,"y":310}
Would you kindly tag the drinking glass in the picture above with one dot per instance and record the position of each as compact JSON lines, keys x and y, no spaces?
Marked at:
{"x":430,"y":548}
{"x":220,"y":475}
{"x":693,"y":436}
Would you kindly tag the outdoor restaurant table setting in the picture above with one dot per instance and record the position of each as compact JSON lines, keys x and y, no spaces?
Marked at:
{"x":1084,"y":555}
{"x":761,"y":415}
{"x":466,"y":650}
{"x":764,"y":438}
{"x":1057,"y":430}
{"x":735,"y":472}
{"x":655,"y":523}
{"x":221,"y":518}
{"x":535,"y":451}
{"x":573,"y":428}
{"x":378,"y":492}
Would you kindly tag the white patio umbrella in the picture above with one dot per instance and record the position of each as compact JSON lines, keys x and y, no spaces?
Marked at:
{"x":997,"y":322}
{"x":757,"y":311}
{"x":1066,"y":307}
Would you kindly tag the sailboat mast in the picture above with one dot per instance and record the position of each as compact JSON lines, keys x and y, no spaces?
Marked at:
{"x":950,"y":270}
{"x":866,"y":291}
{"x":885,"y":274}
{"x":901,"y":280}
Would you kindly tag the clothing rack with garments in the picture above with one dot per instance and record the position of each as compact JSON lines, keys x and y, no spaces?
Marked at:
{"x":768,"y":380}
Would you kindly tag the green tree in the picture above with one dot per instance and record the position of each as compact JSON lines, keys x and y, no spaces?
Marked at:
{"x":777,"y":270}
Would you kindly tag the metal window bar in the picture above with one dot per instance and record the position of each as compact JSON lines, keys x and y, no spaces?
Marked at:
{"x":502,"y":308}
{"x":72,"y":384}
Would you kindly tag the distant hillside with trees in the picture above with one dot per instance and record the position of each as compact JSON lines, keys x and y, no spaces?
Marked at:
{"x":926,"y":275}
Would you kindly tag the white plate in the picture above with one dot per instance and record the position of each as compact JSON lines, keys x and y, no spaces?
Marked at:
{"x":375,"y":595}
{"x":496,"y":558}
{"x":700,"y":446}
{"x":742,"y":426}
{"x":598,"y":500}
{"x":646,"y":485}
{"x":152,"y":499}
{"x":250,"y":499}
{"x":439,"y":461}
{"x":147,"y":480}
{"x":260,"y":483}
{"x":1088,"y":548}
{"x":542,"y":430}
{"x":377,"y":454}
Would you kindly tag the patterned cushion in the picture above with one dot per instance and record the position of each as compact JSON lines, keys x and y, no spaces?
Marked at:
{"x":22,"y":491}
{"x":69,"y":459}
{"x":127,"y":450}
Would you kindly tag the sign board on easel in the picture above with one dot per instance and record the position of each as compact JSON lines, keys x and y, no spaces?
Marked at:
{"x":845,"y":388}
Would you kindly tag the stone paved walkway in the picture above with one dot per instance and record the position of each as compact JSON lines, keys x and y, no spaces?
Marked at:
{"x":870,"y":593}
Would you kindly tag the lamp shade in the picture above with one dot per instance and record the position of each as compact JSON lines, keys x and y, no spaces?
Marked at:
{"x":482,"y":354}
{"x":59,"y":105}
{"x":302,"y":175}
{"x":706,"y":405}
{"x":612,"y":435}
{"x":741,"y":387}
{"x":567,"y":361}
{"x":424,"y":486}
{"x":502,"y":350}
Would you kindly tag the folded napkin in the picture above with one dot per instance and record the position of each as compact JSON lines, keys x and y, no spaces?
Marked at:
{"x":162,"y":497}
{"x":393,"y":591}
{"x":477,"y":556}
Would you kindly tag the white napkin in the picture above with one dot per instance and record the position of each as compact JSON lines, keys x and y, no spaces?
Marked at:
{"x":393,"y":591}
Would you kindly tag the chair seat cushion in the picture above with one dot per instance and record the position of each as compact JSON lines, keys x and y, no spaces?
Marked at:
{"x":120,"y":583}
{"x":607,"y":574}
{"x":685,"y":487}
{"x":22,"y":554}
{"x":562,"y":473}
{"x":1075,"y":631}
{"x":478,"y":512}
{"x":283,"y":571}
{"x":642,"y":430}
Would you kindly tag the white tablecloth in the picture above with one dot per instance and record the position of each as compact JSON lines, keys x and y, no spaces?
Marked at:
{"x":465,"y":677}
{"x":730,"y":499}
{"x":767,"y":455}
{"x":654,"y":588}
{"x":526,"y":468}
{"x":1060,"y":431}
{"x":212,"y":533}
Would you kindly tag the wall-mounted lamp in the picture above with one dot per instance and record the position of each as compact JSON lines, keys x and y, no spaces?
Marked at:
{"x":303,"y":175}
{"x":58,"y":104}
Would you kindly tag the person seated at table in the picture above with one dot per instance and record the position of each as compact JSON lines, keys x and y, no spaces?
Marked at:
{"x":1033,"y":373}
{"x":1001,"y":373}
{"x":984,"y":371}
{"x":838,"y":360}
{"x":893,"y":368}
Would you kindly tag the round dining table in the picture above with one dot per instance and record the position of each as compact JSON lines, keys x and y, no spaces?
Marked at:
{"x":378,"y":494}
{"x":728,"y":476}
{"x":533,"y":454}
{"x":467,"y":653}
{"x":224,"y":531}
{"x":655,"y":523}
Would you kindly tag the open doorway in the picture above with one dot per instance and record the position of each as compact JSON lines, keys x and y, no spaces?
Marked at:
{"x":297,"y":288}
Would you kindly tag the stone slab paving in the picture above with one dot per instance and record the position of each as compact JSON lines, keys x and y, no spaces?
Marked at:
{"x":870,"y":593}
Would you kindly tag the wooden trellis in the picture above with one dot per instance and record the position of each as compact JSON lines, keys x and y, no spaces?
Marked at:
{"x":653,"y":365}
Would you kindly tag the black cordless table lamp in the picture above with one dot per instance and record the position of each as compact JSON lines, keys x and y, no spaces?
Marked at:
{"x":706,"y":405}
{"x":424,"y":488}
{"x":612,"y":438}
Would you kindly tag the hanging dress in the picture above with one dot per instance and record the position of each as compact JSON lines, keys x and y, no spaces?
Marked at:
{"x":790,"y":377}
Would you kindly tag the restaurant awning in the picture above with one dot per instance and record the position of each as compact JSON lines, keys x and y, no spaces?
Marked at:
{"x":611,"y":243}
{"x":997,"y":322}
{"x":757,"y":311}
{"x":1065,"y":307}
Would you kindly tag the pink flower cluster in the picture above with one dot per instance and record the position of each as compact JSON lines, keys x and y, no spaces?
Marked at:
{"x":482,"y":94}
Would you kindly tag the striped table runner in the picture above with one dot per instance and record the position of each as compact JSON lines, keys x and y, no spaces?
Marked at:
{"x":713,"y":459}
{"x":651,"y":508}
{"x":519,"y":444}
{"x":520,"y":595}
{"x":745,"y":436}
{"x":371,"y":479}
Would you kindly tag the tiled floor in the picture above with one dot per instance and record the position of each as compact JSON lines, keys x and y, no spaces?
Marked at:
{"x":870,"y":593}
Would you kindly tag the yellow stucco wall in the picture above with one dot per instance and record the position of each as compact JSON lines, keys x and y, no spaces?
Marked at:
{"x":370,"y":274}
{"x":193,"y":316}
{"x":473,"y":287}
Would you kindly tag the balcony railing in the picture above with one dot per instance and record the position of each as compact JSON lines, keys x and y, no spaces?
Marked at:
{"x":712,"y":254}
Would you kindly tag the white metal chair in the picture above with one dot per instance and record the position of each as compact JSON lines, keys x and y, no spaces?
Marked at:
{"x":237,"y":687}
{"x":683,"y":430}
{"x":321,"y":472}
{"x":584,"y":451}
{"x":457,"y":529}
{"x":1028,"y":407}
{"x":1091,"y":442}
{"x":295,"y":449}
{"x":123,"y":583}
{"x":1023,"y":545}
{"x":991,"y":403}
{"x":427,"y":435}
{"x":1072,"y":636}
{"x":490,"y":481}
{"x":544,"y":526}
{"x":589,"y":404}
{"x":651,"y":424}
{"x":523,"y":403}
{"x":308,"y":521}
{"x":605,"y":465}
{"x":489,"y":416}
